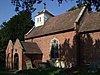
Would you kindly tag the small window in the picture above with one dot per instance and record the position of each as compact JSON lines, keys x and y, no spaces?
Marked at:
{"x":40,"y":19}
{"x":37,"y":19}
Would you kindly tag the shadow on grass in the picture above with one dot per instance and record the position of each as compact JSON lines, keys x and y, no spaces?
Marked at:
{"x":46,"y":71}
{"x":83,"y":70}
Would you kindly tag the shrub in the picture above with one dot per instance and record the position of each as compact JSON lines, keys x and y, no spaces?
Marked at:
{"x":45,"y":71}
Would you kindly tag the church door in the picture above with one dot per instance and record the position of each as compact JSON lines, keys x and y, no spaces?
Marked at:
{"x":16,"y":61}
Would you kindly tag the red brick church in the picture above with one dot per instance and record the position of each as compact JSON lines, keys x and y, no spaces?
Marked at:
{"x":71,"y":38}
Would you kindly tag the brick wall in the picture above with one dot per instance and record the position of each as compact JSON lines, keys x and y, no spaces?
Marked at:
{"x":90,"y":47}
{"x":25,"y":58}
{"x":18,"y":50}
{"x":9,"y":55}
{"x":66,"y":41}
{"x":34,"y":58}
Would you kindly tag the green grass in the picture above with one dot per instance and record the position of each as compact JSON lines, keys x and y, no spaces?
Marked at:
{"x":83,"y":70}
{"x":59,"y":71}
{"x":46,"y":71}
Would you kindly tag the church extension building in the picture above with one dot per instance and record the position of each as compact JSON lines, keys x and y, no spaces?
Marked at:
{"x":72,"y":38}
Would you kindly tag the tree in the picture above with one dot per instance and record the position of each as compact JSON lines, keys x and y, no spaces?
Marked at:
{"x":15,"y":28}
{"x":29,"y":4}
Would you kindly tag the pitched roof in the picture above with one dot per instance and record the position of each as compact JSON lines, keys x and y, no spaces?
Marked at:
{"x":11,"y":43}
{"x":91,"y":23}
{"x":55,"y":24}
{"x":31,"y":48}
{"x":9,"y":46}
{"x":44,"y":11}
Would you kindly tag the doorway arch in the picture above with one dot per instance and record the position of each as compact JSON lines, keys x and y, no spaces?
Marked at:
{"x":16,"y":61}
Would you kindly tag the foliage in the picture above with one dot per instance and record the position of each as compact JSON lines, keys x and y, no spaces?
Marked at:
{"x":83,"y":70}
{"x":87,"y":71}
{"x":15,"y":28}
{"x":29,"y":4}
{"x":46,"y":71}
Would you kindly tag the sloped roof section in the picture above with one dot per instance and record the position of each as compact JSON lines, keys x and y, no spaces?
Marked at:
{"x":31,"y":48}
{"x":33,"y":32}
{"x":9,"y":46}
{"x":45,"y":11}
{"x":56,"y":24}
{"x":91,"y":23}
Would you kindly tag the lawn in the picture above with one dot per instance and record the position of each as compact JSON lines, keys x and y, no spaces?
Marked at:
{"x":83,"y":70}
{"x":60,"y":71}
{"x":46,"y":71}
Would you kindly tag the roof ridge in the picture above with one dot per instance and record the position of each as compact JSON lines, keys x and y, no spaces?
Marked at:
{"x":30,"y":31}
{"x":81,"y":13}
{"x":62,"y":19}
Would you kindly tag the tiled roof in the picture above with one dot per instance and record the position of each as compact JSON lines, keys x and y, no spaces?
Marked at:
{"x":55,"y":24}
{"x":44,"y":11}
{"x":91,"y":23}
{"x":31,"y":48}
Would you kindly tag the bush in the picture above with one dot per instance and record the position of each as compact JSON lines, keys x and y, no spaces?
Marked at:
{"x":83,"y":70}
{"x":45,"y":71}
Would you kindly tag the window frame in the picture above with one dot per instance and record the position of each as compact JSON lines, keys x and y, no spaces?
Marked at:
{"x":55,"y":42}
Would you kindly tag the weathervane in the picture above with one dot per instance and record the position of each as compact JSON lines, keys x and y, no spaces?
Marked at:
{"x":44,"y":5}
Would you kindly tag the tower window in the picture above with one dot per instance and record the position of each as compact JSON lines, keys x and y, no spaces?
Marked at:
{"x":37,"y":19}
{"x":40,"y":19}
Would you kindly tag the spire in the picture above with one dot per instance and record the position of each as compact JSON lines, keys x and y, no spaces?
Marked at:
{"x":44,"y":6}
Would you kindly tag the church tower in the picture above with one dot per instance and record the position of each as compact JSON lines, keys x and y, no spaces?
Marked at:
{"x":42,"y":17}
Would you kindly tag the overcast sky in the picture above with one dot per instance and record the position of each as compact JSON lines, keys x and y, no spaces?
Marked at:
{"x":7,"y":9}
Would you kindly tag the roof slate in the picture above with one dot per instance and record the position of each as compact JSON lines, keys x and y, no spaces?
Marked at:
{"x":31,"y":48}
{"x":44,"y":11}
{"x":91,"y":23}
{"x":66,"y":22}
{"x":55,"y":24}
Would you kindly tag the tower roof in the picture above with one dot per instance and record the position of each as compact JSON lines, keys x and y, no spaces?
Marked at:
{"x":44,"y":11}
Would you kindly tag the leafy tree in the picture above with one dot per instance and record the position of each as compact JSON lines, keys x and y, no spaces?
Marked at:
{"x":15,"y":28}
{"x":29,"y":4}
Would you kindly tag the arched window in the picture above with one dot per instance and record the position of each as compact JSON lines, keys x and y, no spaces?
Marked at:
{"x":54,"y":52}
